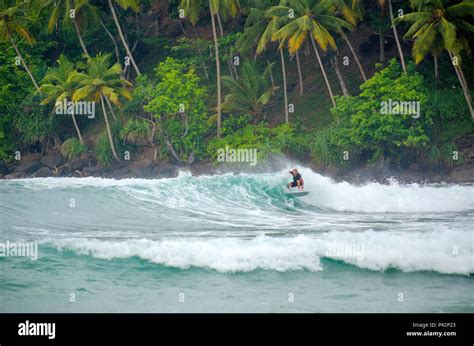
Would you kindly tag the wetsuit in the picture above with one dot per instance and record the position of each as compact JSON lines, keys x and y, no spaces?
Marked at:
{"x":295,"y":180}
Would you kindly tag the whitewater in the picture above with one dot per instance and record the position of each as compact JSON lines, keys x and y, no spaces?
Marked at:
{"x":237,"y":242}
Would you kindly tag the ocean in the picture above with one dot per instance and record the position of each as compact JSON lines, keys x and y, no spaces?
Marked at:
{"x":235,"y":243}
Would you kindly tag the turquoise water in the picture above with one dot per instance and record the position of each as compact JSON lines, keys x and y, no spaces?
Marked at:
{"x":236,"y":243}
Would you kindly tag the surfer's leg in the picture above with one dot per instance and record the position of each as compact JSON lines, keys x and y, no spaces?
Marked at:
{"x":299,"y":185}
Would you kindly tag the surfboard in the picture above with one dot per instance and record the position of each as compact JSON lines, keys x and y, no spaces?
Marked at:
{"x":298,"y":193}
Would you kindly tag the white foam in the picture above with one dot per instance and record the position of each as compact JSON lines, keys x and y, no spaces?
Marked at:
{"x":443,"y":251}
{"x":379,"y":198}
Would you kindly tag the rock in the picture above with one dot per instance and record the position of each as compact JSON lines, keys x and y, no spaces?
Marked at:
{"x":462,"y":174}
{"x":3,"y":168}
{"x":64,"y":170}
{"x":95,"y":171}
{"x":16,"y":175}
{"x":468,"y":154}
{"x":165,"y":171}
{"x":53,"y":159}
{"x":28,"y":167}
{"x":43,"y":172}
{"x":142,"y":168}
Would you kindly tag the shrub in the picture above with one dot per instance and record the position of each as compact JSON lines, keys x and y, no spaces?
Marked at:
{"x":72,"y":148}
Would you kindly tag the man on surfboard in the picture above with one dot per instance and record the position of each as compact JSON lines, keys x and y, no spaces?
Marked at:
{"x":297,"y":180}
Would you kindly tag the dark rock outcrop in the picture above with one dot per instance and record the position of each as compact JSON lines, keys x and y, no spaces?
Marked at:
{"x":53,"y":159}
{"x":28,"y":167}
{"x":43,"y":172}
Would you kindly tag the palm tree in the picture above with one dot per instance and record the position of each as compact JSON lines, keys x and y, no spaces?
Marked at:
{"x":260,"y":30}
{"x":436,"y":27}
{"x":100,"y":81}
{"x":314,"y":20}
{"x":193,"y":8}
{"x":125,"y":4}
{"x":58,"y":86}
{"x":13,"y":20}
{"x":251,"y":92}
{"x":352,"y":13}
{"x":382,"y":4}
{"x":83,"y":11}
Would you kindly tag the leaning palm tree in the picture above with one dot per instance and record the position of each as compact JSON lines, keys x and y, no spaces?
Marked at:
{"x":125,"y":4}
{"x":59,"y":86}
{"x":193,"y":9}
{"x":78,"y":13}
{"x":382,"y":4}
{"x":14,"y":20}
{"x":437,"y":26}
{"x":259,"y":30}
{"x":251,"y":92}
{"x":311,"y":19}
{"x":350,"y":11}
{"x":98,"y":82}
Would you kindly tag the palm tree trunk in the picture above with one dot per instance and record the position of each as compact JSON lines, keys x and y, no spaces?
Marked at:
{"x":436,"y":67}
{"x":285,"y":89}
{"x":109,"y":132}
{"x":81,"y":41}
{"x":400,"y":51}
{"x":117,"y":52}
{"x":465,"y":89}
{"x":109,"y":104}
{"x":221,"y":31}
{"x":382,"y":45}
{"x":323,"y":71}
{"x":218,"y":70}
{"x":356,"y":58}
{"x":200,"y":54}
{"x":299,"y":72}
{"x":335,"y":64}
{"x":77,"y":129}
{"x":272,"y":79}
{"x":122,"y":38}
{"x":24,"y":63}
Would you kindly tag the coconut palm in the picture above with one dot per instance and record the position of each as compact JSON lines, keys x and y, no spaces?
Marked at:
{"x":251,"y":92}
{"x":83,"y":12}
{"x":350,"y":11}
{"x":98,"y":82}
{"x":260,"y":30}
{"x":193,"y":9}
{"x":313,"y":20}
{"x":14,"y":20}
{"x":382,"y":4}
{"x":437,"y":26}
{"x":125,"y":4}
{"x":58,"y":86}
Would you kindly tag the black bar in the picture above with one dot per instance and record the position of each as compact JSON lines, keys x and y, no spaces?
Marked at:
{"x":290,"y":329}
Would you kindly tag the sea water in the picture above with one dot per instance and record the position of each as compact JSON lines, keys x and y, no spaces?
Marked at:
{"x":236,"y":243}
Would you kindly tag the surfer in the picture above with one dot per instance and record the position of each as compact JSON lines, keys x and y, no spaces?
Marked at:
{"x":297,"y":180}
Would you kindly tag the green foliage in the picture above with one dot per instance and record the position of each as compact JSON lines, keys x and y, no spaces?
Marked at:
{"x":251,"y":92}
{"x":135,"y":131}
{"x":103,"y":151}
{"x":266,"y":140}
{"x":72,"y":148}
{"x":34,"y":123}
{"x":326,"y":149}
{"x":362,"y":126}
{"x":177,"y":103}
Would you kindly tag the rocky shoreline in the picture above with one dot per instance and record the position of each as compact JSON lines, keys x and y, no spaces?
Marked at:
{"x":53,"y":164}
